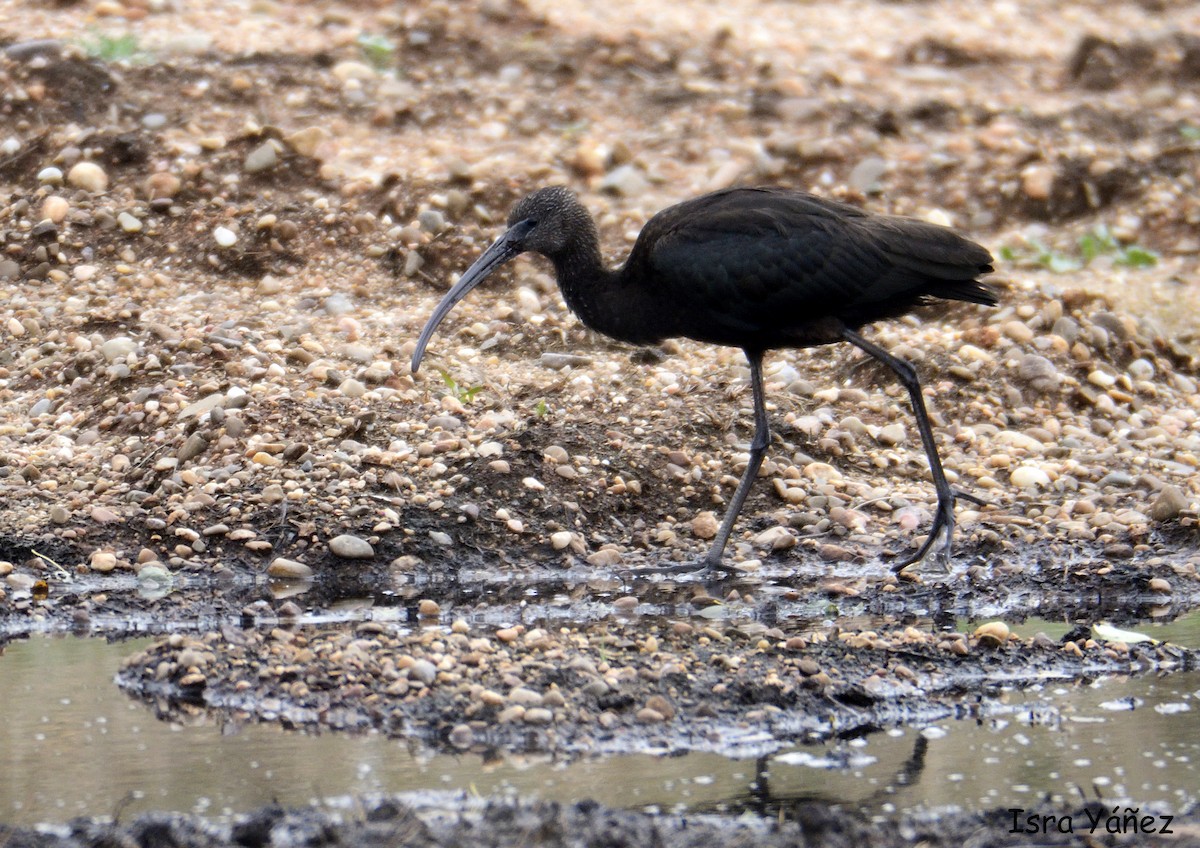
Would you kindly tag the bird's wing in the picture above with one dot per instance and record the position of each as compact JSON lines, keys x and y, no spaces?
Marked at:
{"x":772,"y":260}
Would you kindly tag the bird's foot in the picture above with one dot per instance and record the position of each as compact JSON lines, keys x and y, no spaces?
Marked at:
{"x":943,"y":529}
{"x":702,"y":567}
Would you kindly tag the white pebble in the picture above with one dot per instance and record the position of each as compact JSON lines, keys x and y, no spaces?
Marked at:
{"x":225,"y":237}
{"x":1029,"y":476}
{"x":88,"y":176}
{"x":129,"y":223}
{"x":50,"y":175}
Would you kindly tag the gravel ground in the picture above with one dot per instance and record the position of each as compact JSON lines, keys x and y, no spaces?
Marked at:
{"x":222,"y":228}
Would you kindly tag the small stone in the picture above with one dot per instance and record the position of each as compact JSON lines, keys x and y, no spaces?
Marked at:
{"x":195,"y":445}
{"x":129,"y":223}
{"x":705,"y":525}
{"x":626,"y":180}
{"x":561,"y":539}
{"x":104,"y":515}
{"x":115,"y":348}
{"x":306,"y":141}
{"x":462,"y":736}
{"x":289,"y":569}
{"x":349,"y":70}
{"x":351,"y":547}
{"x":646,"y":715}
{"x":55,"y":208}
{"x":1037,"y":180}
{"x":161,"y":185}
{"x":992,"y":635}
{"x":352,"y":388}
{"x":525,"y":697}
{"x":892,"y":434}
{"x":1171,"y":501}
{"x":1039,"y":372}
{"x":88,"y":176}
{"x":224,"y":237}
{"x":1160,"y":586}
{"x":428,"y":609}
{"x":1029,"y":476}
{"x":776,"y":539}
{"x":50,"y":176}
{"x":262,"y":158}
{"x":103,"y":561}
{"x":866,"y":175}
{"x":538,"y":715}
{"x":662,"y":706}
{"x":432,"y":220}
{"x":423,"y":670}
{"x":605,"y":558}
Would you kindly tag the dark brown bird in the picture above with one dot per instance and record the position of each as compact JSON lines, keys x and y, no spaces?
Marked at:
{"x":755,"y":268}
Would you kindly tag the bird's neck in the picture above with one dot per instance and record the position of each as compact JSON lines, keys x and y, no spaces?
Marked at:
{"x":600,"y":297}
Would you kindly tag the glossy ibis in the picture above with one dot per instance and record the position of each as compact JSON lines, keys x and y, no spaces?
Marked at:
{"x":755,"y":268}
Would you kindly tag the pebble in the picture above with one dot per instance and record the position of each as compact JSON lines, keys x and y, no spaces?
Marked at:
{"x":428,"y":608}
{"x":55,"y":208}
{"x":103,"y":561}
{"x":50,"y":175}
{"x":224,"y":237}
{"x":423,"y":670}
{"x":1039,"y":372}
{"x":350,"y":70}
{"x":88,"y":176}
{"x":289,"y":569}
{"x":351,"y":547}
{"x":538,"y":715}
{"x":992,"y":635}
{"x":195,"y":445}
{"x":352,"y":388}
{"x":262,"y":158}
{"x":104,"y":515}
{"x":129,"y":223}
{"x":775,"y":539}
{"x":1160,"y":586}
{"x":1037,"y":180}
{"x":626,"y":180}
{"x":1169,"y":503}
{"x":161,"y":185}
{"x":561,"y":539}
{"x":867,"y":174}
{"x":308,"y":140}
{"x":1029,"y":476}
{"x":705,"y":525}
{"x":564,"y":360}
{"x":891,"y":434}
{"x":461,"y":736}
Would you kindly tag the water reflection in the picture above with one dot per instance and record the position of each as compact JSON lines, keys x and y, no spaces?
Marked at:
{"x":73,"y":744}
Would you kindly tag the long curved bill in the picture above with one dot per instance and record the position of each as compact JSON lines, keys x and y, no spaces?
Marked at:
{"x":501,"y":250}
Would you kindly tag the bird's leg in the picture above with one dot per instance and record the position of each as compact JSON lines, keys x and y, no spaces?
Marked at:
{"x":758,"y":448}
{"x":943,"y":522}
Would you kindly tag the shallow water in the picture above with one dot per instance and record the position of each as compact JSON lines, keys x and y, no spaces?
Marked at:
{"x":72,"y":744}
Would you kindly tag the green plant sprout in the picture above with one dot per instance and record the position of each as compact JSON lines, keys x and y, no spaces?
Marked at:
{"x":1099,"y":241}
{"x":378,"y":50}
{"x":115,"y":48}
{"x":464,"y":394}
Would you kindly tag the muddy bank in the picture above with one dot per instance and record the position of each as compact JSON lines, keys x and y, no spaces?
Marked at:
{"x":461,"y":822}
{"x":726,"y":683}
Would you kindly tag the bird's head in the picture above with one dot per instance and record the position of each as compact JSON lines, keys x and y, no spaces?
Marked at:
{"x":539,"y":223}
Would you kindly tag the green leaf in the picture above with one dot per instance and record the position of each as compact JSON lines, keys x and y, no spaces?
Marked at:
{"x":1137,"y":257}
